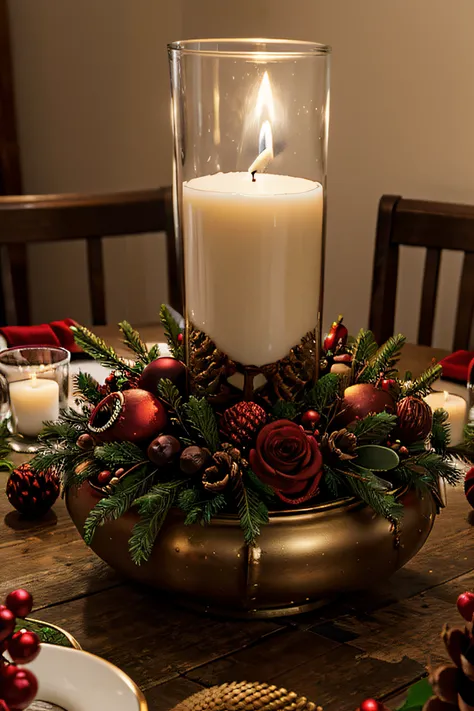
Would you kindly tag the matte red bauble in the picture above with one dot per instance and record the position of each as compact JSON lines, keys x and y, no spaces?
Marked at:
{"x":361,"y":400}
{"x":469,"y":486}
{"x":24,"y":646}
{"x":20,"y":602}
{"x":32,"y":493}
{"x":163,"y":367}
{"x":129,"y":416}
{"x":19,"y":688}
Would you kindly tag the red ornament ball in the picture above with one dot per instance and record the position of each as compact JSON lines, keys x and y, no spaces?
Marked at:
{"x":361,"y":400}
{"x":7,"y":622}
{"x":465,"y":605}
{"x":370,"y":705}
{"x":104,"y":477}
{"x":18,"y":687}
{"x":310,"y":419}
{"x":20,"y":602}
{"x":24,"y":646}
{"x":163,"y":367}
{"x":415,"y":419}
{"x":32,"y":493}
{"x":337,"y":336}
{"x":128,"y":416}
{"x":469,"y":486}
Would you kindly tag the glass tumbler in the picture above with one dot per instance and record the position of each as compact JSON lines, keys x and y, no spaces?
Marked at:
{"x":250,"y":121}
{"x":34,"y":387}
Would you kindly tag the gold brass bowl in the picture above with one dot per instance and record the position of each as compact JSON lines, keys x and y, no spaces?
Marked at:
{"x":304,"y":556}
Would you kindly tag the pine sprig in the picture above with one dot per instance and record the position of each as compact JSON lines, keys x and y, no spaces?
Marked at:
{"x":422,"y":386}
{"x":131,"y":338}
{"x":97,"y":348}
{"x":363,"y":350}
{"x":120,"y":454}
{"x":202,"y":419}
{"x":265,"y":492}
{"x":153,"y":508}
{"x":440,"y":431}
{"x":370,"y":489}
{"x":433,"y":466}
{"x":252,"y":511}
{"x":284,"y":410}
{"x":170,"y":395}
{"x":5,"y":434}
{"x":88,"y":387}
{"x":172,"y":332}
{"x":204,"y":510}
{"x":383,"y":362}
{"x":153,"y":353}
{"x":373,"y":428}
{"x":335,"y":482}
{"x":324,"y":392}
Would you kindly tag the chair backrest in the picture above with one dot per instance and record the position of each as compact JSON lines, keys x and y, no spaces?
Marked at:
{"x":436,"y":226}
{"x":48,"y":218}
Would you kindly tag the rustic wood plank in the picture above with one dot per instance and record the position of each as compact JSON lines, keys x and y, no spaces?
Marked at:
{"x":95,"y":269}
{"x":384,"y":272}
{"x":465,"y":308}
{"x":428,"y":296}
{"x":264,"y":661}
{"x":148,"y":637}
{"x":164,"y":697}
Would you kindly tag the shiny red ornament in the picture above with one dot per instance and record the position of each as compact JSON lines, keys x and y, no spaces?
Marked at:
{"x":104,"y":477}
{"x":180,"y":338}
{"x":465,"y":605}
{"x":337,"y":336}
{"x":310,"y":419}
{"x":388,"y":384}
{"x":129,"y":416}
{"x":20,"y":602}
{"x":361,"y":400}
{"x":24,"y":646}
{"x":7,"y":622}
{"x":371,"y":705}
{"x":469,"y":486}
{"x":163,"y":367}
{"x":32,"y":493}
{"x":19,"y":687}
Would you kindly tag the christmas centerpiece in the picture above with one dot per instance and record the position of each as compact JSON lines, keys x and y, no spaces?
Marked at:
{"x":353,"y":459}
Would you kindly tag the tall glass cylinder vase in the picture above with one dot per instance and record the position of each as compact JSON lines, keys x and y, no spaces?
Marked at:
{"x":250,"y":121}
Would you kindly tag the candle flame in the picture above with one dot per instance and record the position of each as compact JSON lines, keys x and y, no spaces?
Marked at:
{"x":446,"y":395}
{"x":264,"y":108}
{"x":34,"y":382}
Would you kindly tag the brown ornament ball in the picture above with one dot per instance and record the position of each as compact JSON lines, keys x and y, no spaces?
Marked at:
{"x":469,"y":486}
{"x":240,"y":423}
{"x":361,"y":400}
{"x":163,"y":450}
{"x":32,"y":493}
{"x":129,"y":416}
{"x":163,"y":367}
{"x":85,"y":442}
{"x":193,"y":459}
{"x":415,"y":419}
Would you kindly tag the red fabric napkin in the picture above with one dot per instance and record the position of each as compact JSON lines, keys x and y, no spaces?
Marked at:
{"x":458,"y":366}
{"x":56,"y":333}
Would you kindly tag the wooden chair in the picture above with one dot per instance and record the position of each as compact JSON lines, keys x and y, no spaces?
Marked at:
{"x":433,"y":225}
{"x":48,"y":218}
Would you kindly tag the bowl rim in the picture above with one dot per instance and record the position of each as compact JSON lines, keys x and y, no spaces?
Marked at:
{"x":74,"y":643}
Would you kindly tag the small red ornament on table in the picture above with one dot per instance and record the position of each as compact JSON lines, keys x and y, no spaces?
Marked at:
{"x":32,"y":493}
{"x":469,"y":486}
{"x":310,"y":420}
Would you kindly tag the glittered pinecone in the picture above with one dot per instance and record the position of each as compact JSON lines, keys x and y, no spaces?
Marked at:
{"x":225,"y":467}
{"x":453,"y":684}
{"x":241,"y":423}
{"x":32,"y":493}
{"x":246,"y":696}
{"x":415,"y":419}
{"x":340,"y":444}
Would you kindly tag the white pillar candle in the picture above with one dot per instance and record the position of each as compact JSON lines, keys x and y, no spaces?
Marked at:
{"x":456,"y":407}
{"x":33,"y":402}
{"x":253,"y":261}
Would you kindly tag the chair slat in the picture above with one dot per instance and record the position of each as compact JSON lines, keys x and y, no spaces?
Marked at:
{"x":95,"y":267}
{"x":18,"y":259}
{"x":465,"y":310}
{"x":428,"y":296}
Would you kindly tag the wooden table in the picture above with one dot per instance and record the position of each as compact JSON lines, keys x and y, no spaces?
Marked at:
{"x":368,"y":644}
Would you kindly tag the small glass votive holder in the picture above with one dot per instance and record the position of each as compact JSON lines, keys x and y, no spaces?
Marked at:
{"x":34,"y":388}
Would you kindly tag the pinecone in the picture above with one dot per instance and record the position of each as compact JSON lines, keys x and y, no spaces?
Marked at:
{"x":454,"y":684}
{"x":32,"y":493}
{"x":246,"y":696}
{"x":241,"y":423}
{"x":340,"y":444}
{"x":225,"y":468}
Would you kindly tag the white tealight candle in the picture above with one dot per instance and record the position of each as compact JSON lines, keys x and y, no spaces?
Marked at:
{"x":33,"y":402}
{"x":456,"y":407}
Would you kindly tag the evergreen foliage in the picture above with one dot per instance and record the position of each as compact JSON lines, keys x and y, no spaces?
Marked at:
{"x":422,"y":386}
{"x":253,"y":513}
{"x":382,"y":364}
{"x":202,"y":419}
{"x":172,"y":333}
{"x":373,"y":429}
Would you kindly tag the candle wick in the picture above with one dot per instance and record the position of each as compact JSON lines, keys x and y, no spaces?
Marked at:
{"x":253,"y":176}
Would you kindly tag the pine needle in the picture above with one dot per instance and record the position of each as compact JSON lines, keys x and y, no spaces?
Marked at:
{"x":120,"y":454}
{"x":373,"y":428}
{"x":422,"y":385}
{"x":202,"y":419}
{"x":440,"y":431}
{"x":382,"y":364}
{"x":324,"y":392}
{"x":88,"y":387}
{"x":131,"y":338}
{"x":172,"y":332}
{"x":252,"y":512}
{"x":98,"y":349}
{"x":370,"y":489}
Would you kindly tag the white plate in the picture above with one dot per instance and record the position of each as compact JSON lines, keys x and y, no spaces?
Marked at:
{"x":78,"y":681}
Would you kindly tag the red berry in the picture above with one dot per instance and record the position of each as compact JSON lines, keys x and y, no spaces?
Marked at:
{"x":387,"y":385}
{"x":180,"y":338}
{"x":24,"y":646}
{"x":19,"y":687}
{"x":20,"y":602}
{"x":104,"y":477}
{"x":465,"y":604}
{"x":310,"y":419}
{"x":7,"y":622}
{"x":370,"y":705}
{"x":3,"y":706}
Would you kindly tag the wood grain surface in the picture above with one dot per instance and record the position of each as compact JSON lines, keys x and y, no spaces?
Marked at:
{"x":373,"y":643}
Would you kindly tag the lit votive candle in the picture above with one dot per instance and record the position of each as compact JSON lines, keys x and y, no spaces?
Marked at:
{"x":456,"y":407}
{"x":33,"y":402}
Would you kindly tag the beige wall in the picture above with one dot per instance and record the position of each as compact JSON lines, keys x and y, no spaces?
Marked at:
{"x":93,"y":103}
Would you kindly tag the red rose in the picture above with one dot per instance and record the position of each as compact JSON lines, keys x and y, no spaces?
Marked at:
{"x":288,"y":460}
